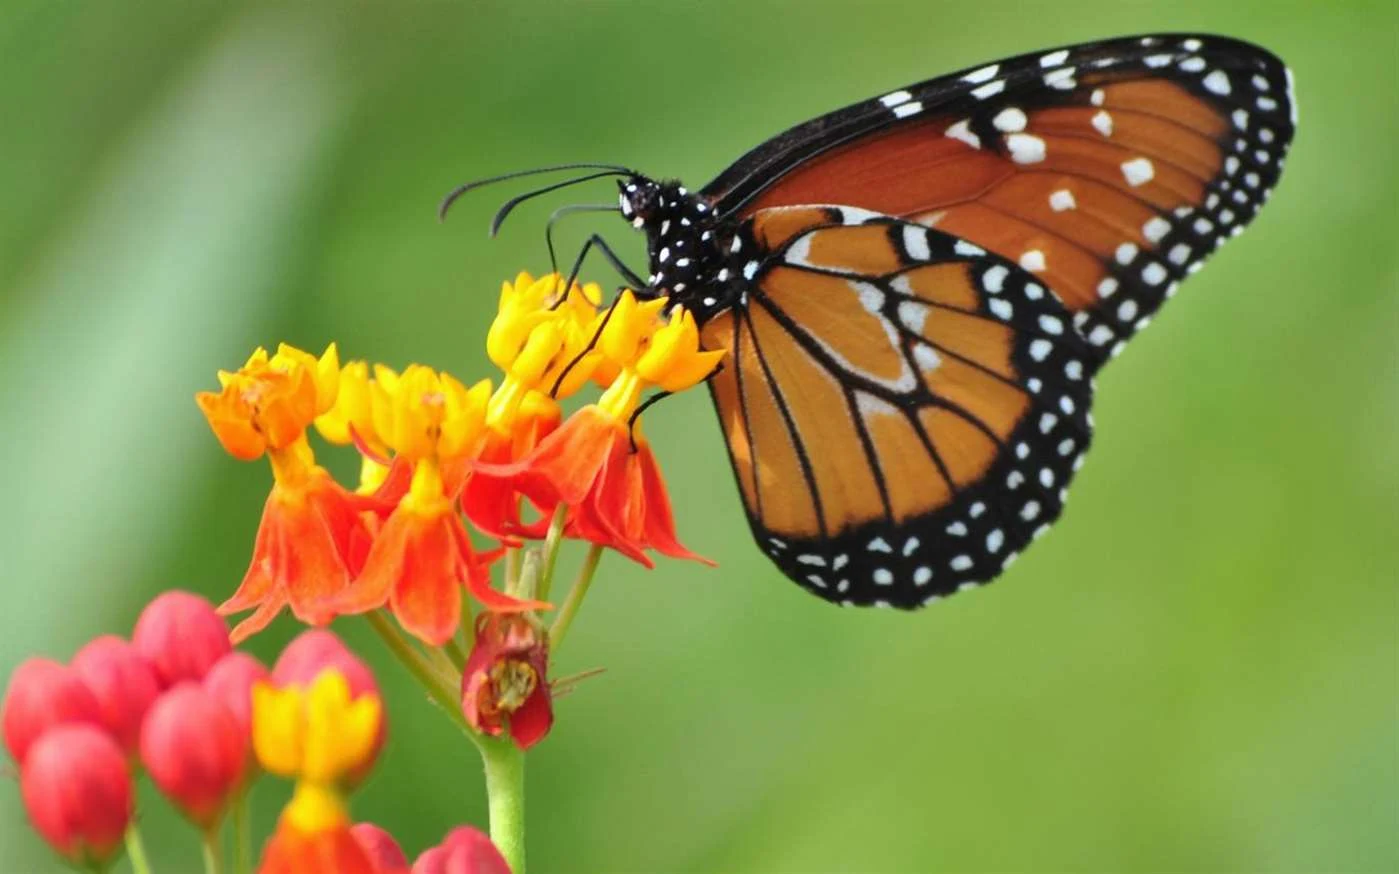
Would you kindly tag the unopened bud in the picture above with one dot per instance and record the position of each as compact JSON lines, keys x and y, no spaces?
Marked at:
{"x":77,"y":791}
{"x":195,"y":752}
{"x":124,"y":684}
{"x":43,"y":694}
{"x":181,"y":636}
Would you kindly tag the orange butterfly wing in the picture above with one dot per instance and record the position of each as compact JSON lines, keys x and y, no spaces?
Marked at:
{"x":903,"y":409}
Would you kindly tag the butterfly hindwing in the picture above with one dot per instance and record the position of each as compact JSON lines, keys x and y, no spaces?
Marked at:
{"x":903,"y":409}
{"x":1109,"y":170}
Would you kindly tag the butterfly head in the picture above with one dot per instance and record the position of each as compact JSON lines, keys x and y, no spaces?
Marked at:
{"x":681,"y":235}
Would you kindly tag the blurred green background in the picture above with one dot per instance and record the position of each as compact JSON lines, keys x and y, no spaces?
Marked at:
{"x":1198,"y":670}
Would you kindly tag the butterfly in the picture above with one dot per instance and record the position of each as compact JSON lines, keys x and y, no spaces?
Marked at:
{"x":916,"y":292}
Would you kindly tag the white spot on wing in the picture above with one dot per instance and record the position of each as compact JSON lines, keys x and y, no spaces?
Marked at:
{"x":895,"y":98}
{"x":1138,"y":171}
{"x":1217,"y":81}
{"x":1054,"y":59}
{"x":916,"y":242}
{"x":904,"y":110}
{"x":1061,"y":200}
{"x":1102,"y":122}
{"x":990,"y":89}
{"x":1033,"y":260}
{"x":1025,"y":148}
{"x":962,"y":131}
{"x":982,"y":75}
{"x":1010,"y":120}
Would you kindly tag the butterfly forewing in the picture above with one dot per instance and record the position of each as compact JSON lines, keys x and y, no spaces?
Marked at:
{"x":1107,"y":170}
{"x":903,"y":409}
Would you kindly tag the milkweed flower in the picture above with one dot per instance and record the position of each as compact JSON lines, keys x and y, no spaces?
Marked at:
{"x":381,"y":848}
{"x":181,"y":636}
{"x":540,"y":340}
{"x":422,"y":556}
{"x":597,"y":462}
{"x":123,"y":683}
{"x":314,"y":534}
{"x":351,"y":421}
{"x":308,"y":656}
{"x":464,"y":850}
{"x":316,"y":734}
{"x":78,"y":794}
{"x":504,"y":682}
{"x":43,"y":694}
{"x":230,"y":681}
{"x":196,"y":751}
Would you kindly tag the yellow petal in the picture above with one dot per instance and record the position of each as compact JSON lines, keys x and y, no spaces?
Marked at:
{"x":278,"y":730}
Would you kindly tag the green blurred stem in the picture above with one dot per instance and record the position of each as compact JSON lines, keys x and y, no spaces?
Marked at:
{"x":242,"y":835}
{"x":574,"y":600}
{"x":136,"y":850}
{"x":213,"y":855}
{"x":436,"y":686}
{"x":551,"y":551}
{"x":456,"y":654}
{"x":505,"y":794}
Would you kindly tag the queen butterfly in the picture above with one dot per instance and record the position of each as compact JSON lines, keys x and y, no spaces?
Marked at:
{"x":916,"y":292}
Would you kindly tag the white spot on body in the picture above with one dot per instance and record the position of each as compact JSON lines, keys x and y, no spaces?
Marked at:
{"x":883,"y":577}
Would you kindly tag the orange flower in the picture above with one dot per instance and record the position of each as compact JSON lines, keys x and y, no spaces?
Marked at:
{"x":422,"y":556}
{"x":314,"y":534}
{"x":614,"y":488}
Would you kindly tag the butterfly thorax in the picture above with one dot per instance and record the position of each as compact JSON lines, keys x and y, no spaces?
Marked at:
{"x":686,"y":244}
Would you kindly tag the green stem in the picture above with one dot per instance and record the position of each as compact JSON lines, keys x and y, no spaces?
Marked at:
{"x":213,"y":855}
{"x":136,"y":850}
{"x":551,"y":551}
{"x":442,"y":694}
{"x":505,"y":793}
{"x":456,"y":653}
{"x":575,"y":599}
{"x":242,"y":834}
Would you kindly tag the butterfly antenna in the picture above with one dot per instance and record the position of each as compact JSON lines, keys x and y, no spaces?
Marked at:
{"x":509,"y":205}
{"x":592,"y":343}
{"x":491,"y":180}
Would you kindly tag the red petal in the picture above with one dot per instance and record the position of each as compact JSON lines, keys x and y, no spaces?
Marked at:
{"x":660,"y":524}
{"x":532,"y":721}
{"x":564,"y":464}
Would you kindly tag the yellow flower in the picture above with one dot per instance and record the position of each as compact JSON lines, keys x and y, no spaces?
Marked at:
{"x":540,"y":340}
{"x":423,"y":414}
{"x":269,"y":402}
{"x":318,"y":734}
{"x":646,"y":351}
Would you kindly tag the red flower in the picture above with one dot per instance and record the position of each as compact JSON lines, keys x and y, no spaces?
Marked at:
{"x":313,"y":539}
{"x":616,"y":493}
{"x":43,"y":694}
{"x":181,"y":636}
{"x":230,"y":682}
{"x":195,"y":751}
{"x":124,"y":684}
{"x":505,"y":680}
{"x":381,"y":848}
{"x":77,"y":791}
{"x":464,"y":851}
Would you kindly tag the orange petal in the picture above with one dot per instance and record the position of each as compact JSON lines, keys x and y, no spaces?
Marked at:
{"x":660,"y":524}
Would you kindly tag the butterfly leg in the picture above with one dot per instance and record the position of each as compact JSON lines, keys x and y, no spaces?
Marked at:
{"x":596,"y":240}
{"x":569,"y":210}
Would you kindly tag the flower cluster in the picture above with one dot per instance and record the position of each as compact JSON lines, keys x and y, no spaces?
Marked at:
{"x":453,"y":479}
{"x":204,"y":721}
{"x":438,"y":453}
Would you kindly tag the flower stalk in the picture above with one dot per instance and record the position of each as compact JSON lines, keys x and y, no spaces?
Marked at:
{"x":136,"y":850}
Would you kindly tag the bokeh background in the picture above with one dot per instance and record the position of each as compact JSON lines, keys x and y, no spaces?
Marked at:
{"x":1198,"y":670}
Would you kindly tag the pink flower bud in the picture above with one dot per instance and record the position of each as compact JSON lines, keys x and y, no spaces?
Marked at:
{"x":77,"y":791}
{"x":315,"y":650}
{"x":43,"y":694}
{"x":181,"y":636}
{"x":123,"y":683}
{"x":464,"y":851}
{"x":381,"y":848}
{"x":195,"y":752}
{"x":312,"y":652}
{"x":231,"y":681}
